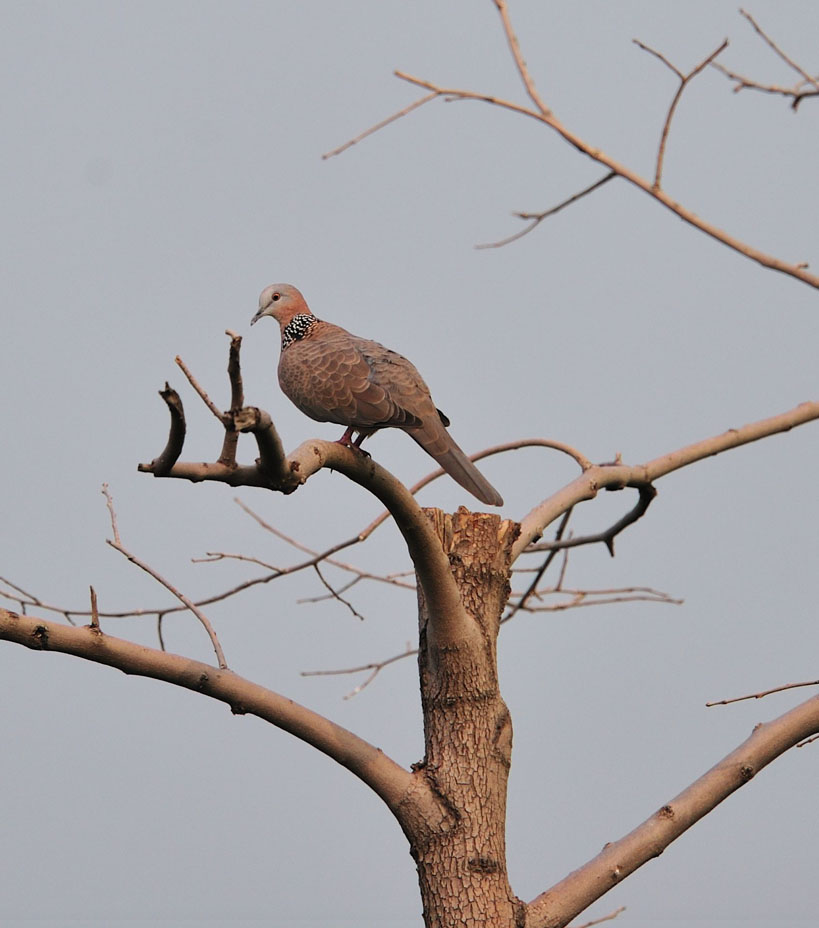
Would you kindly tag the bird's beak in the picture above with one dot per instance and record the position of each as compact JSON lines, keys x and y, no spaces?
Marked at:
{"x":262,"y":311}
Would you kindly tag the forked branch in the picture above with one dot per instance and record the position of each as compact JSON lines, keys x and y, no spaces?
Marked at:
{"x":539,"y":111}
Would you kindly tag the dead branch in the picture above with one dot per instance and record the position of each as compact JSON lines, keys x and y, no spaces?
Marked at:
{"x":618,"y":859}
{"x":776,"y":689}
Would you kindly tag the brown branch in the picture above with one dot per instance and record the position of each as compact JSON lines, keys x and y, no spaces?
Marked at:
{"x":618,"y":859}
{"x":616,"y":476}
{"x":117,"y":545}
{"x":371,"y":765}
{"x":684,"y":79}
{"x":776,"y":689}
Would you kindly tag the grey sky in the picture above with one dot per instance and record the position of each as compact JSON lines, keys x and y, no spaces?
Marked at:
{"x":161,"y":165}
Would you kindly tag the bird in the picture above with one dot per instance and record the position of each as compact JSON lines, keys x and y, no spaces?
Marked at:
{"x":334,"y":376}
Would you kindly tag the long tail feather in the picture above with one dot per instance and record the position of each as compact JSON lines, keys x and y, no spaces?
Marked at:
{"x":440,"y":445}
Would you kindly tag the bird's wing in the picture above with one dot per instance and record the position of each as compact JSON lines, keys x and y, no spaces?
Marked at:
{"x":333,"y":376}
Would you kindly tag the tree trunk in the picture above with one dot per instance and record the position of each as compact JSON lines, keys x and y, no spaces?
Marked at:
{"x":468,"y":736}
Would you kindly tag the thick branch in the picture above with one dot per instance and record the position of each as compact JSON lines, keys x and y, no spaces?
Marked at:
{"x":558,"y":905}
{"x":617,"y":476}
{"x":389,"y":780}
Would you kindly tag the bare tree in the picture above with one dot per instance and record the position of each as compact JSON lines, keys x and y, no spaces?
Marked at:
{"x":450,"y":805}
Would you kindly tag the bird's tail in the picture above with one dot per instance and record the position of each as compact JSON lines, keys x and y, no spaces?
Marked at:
{"x":439,"y":444}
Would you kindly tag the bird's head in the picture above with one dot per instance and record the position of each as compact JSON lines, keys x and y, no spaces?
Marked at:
{"x":282,"y":302}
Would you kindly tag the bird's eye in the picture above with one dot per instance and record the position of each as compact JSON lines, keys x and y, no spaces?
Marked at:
{"x":276,"y":297}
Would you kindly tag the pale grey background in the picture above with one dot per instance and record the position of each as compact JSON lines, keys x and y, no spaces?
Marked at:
{"x":160,"y":166}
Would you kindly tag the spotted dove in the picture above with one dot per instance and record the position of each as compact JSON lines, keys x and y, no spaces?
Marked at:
{"x":333,"y":376}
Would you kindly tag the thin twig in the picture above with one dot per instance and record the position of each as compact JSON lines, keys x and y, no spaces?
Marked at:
{"x":336,"y":595}
{"x":379,"y":125}
{"x":580,"y":598}
{"x":599,"y":921}
{"x":537,"y":218}
{"x":199,"y":389}
{"x":789,"y":61}
{"x":374,"y":668}
{"x":776,"y":689}
{"x":116,"y":544}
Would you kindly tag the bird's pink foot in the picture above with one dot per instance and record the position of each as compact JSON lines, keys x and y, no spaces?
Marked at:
{"x":347,"y":440}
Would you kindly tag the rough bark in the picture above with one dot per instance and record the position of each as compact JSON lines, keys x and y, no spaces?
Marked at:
{"x":468,"y":735}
